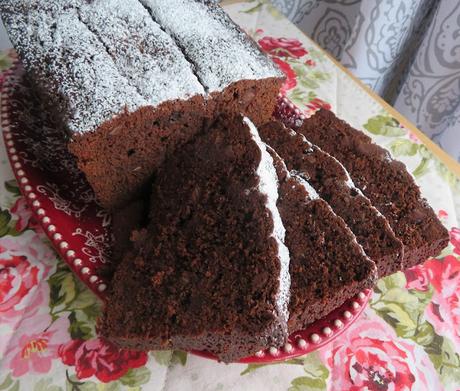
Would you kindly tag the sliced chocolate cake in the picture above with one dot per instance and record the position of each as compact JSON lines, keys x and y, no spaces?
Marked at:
{"x":327,"y":265}
{"x":385,"y":181}
{"x":229,"y":228}
{"x":125,"y":220}
{"x":122,"y":89}
{"x":233,"y":70}
{"x":211,"y":271}
{"x":333,"y":184}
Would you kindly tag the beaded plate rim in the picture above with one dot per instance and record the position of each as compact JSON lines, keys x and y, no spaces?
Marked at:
{"x":315,"y":336}
{"x":28,"y":178}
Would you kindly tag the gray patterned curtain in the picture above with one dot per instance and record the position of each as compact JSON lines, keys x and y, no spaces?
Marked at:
{"x":408,"y":51}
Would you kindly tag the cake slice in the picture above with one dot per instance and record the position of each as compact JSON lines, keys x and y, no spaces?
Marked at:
{"x":211,"y":271}
{"x":327,"y":265}
{"x":386,"y":183}
{"x":333,"y":184}
{"x":236,"y":74}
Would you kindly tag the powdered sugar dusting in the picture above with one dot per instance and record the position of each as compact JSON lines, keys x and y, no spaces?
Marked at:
{"x":297,"y":176}
{"x":141,"y":50}
{"x":310,"y":190}
{"x":71,"y":66}
{"x":308,"y":144}
{"x":95,"y":59}
{"x":349,"y":182}
{"x":268,"y":185}
{"x":26,"y":6}
{"x":220,"y":51}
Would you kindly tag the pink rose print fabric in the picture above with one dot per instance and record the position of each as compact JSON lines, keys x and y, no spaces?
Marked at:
{"x":455,"y":239}
{"x":24,"y":264}
{"x":291,"y":78}
{"x":283,"y":47}
{"x":100,"y":358}
{"x":370,"y":356}
{"x":444,"y":310}
{"x":24,"y":216}
{"x":291,"y":56}
{"x":35,"y":348}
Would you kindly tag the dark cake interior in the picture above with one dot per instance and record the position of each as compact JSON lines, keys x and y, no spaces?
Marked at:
{"x":331,"y":181}
{"x":120,"y":158}
{"x":132,"y":217}
{"x":208,"y":272}
{"x":385,"y":181}
{"x":327,"y":265}
{"x":324,"y":216}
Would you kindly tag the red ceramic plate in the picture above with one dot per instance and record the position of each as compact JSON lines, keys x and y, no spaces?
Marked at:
{"x":79,"y":228}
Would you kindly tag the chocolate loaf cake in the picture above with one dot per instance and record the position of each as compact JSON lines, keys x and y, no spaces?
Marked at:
{"x":211,"y":271}
{"x":131,"y":217}
{"x":385,"y":181}
{"x":327,"y":265}
{"x":333,"y":184}
{"x":229,"y":64}
{"x":122,"y":89}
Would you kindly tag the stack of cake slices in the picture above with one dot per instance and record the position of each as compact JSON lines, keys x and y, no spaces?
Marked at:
{"x":231,"y":229}
{"x":254,"y":233}
{"x":386,"y":183}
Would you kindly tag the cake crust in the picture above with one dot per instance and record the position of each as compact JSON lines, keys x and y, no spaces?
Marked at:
{"x":385,"y":181}
{"x":333,"y":184}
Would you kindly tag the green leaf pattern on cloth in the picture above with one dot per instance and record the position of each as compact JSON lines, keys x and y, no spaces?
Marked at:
{"x":403,"y":143}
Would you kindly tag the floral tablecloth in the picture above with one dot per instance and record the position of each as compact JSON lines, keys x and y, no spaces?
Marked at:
{"x":407,"y":339}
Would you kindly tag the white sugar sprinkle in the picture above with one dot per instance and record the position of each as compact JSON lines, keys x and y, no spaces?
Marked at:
{"x":141,"y":50}
{"x":94,"y":60}
{"x":268,"y":185}
{"x":207,"y":36}
{"x":71,"y":65}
